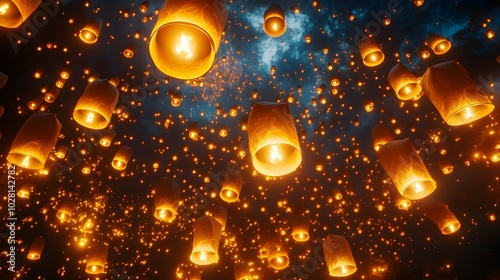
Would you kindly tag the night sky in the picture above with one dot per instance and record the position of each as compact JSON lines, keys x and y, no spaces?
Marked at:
{"x":250,"y":66}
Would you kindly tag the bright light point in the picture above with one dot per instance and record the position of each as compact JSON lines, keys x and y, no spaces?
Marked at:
{"x":279,"y":259}
{"x":374,"y":57}
{"x":4,"y":9}
{"x":203,"y":256}
{"x":344,"y":270}
{"x":468,"y":113}
{"x":90,"y":118}
{"x":275,"y":26}
{"x":25,"y":161}
{"x":418,"y":188}
{"x":183,"y":48}
{"x":275,"y":154}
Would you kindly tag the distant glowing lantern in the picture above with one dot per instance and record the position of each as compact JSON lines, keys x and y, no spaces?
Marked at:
{"x":445,"y":166}
{"x":220,"y":215}
{"x":65,"y":210}
{"x":121,"y":158}
{"x":15,"y":12}
{"x":231,"y":187}
{"x":338,"y":256}
{"x":3,"y":79}
{"x":186,"y":37}
{"x":33,"y":104}
{"x":65,"y":74}
{"x":51,"y":95}
{"x":175,"y":99}
{"x":370,"y":52}
{"x":36,"y":248}
{"x":223,"y":131}
{"x":95,"y":107}
{"x":24,"y":191}
{"x":454,"y":94}
{"x":439,"y":213}
{"x":277,"y":255}
{"x":144,"y":7}
{"x":300,"y":228}
{"x":274,"y":21}
{"x":96,"y":259}
{"x":107,"y":138}
{"x":34,"y":141}
{"x":404,"y":83}
{"x":438,"y":44}
{"x":167,"y":198}
{"x":406,"y":169}
{"x":207,"y":233}
{"x":418,"y":3}
{"x":368,"y":105}
{"x":193,"y":130}
{"x":242,"y":272}
{"x":274,"y":144}
{"x":90,"y":32}
{"x":61,"y":151}
{"x":381,"y":135}
{"x":423,"y":53}
{"x":129,"y":50}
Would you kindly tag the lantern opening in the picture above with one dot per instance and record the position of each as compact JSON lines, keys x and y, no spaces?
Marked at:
{"x":470,"y":113}
{"x":164,"y":214}
{"x":451,"y":228}
{"x":277,"y":157}
{"x":419,"y":189}
{"x":374,"y":58}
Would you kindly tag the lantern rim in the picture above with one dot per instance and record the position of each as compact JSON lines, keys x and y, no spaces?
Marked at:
{"x":305,"y":236}
{"x":338,"y":270}
{"x":450,"y":227}
{"x":275,"y":264}
{"x":169,"y":215}
{"x":370,"y":62}
{"x":33,"y":256}
{"x":442,"y":50}
{"x":98,"y":269}
{"x":481,"y":109}
{"x":18,"y":159}
{"x":211,"y":257}
{"x":287,"y":165}
{"x":61,"y":216}
{"x":228,"y":195}
{"x":88,"y":36}
{"x":414,"y":88}
{"x":427,"y":186}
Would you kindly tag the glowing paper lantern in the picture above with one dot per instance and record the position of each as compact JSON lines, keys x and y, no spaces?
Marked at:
{"x":129,"y":50}
{"x":51,"y":95}
{"x":96,"y":259}
{"x":95,"y":107}
{"x":34,"y":141}
{"x":381,"y":135}
{"x":454,"y":94}
{"x":445,"y":166}
{"x":186,"y":37}
{"x":300,"y":229}
{"x":418,"y":3}
{"x":423,"y":53}
{"x":61,"y":151}
{"x":277,"y":255}
{"x":90,"y":33}
{"x":36,"y":248}
{"x":438,"y":44}
{"x":15,"y":12}
{"x":24,"y":191}
{"x":338,"y":256}
{"x":404,"y":83}
{"x":231,"y":187}
{"x":207,"y":232}
{"x":440,"y":214}
{"x":167,"y":199}
{"x":405,"y":168}
{"x":220,"y":215}
{"x":107,"y":138}
{"x":370,"y":52}
{"x":3,"y":79}
{"x":242,"y":272}
{"x":274,"y":21}
{"x":274,"y":144}
{"x":121,"y":158}
{"x":65,"y":210}
{"x":193,"y":130}
{"x":368,"y":105}
{"x":144,"y":7}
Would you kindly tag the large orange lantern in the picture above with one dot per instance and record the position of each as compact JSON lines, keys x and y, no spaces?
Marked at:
{"x":381,"y":135}
{"x":15,"y":12}
{"x":36,"y":248}
{"x":207,"y":232}
{"x":370,"y":52}
{"x":274,"y":144}
{"x":167,"y":199}
{"x":438,"y":44}
{"x":300,"y":229}
{"x":231,"y":187}
{"x":90,"y":32}
{"x":406,"y":169}
{"x":274,"y":21}
{"x":96,"y":259}
{"x":33,"y":143}
{"x":454,"y":94}
{"x":121,"y":158}
{"x":186,"y":37}
{"x":404,"y":83}
{"x":338,"y":256}
{"x":277,"y":255}
{"x":440,"y":214}
{"x":95,"y":107}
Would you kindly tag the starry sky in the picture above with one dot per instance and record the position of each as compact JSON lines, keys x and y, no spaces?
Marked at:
{"x":333,"y":127}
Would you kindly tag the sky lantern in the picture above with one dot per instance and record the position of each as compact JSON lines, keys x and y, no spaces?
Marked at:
{"x":207,"y":232}
{"x":274,"y":21}
{"x":338,"y":256}
{"x":402,"y":202}
{"x":3,"y":79}
{"x":381,"y":135}
{"x":231,"y":187}
{"x":370,"y":51}
{"x":219,"y":213}
{"x":167,"y":198}
{"x":186,"y":37}
{"x":368,"y":105}
{"x":418,"y":3}
{"x":454,"y":94}
{"x":439,"y":213}
{"x":404,"y":83}
{"x":15,"y":12}
{"x":273,"y":140}
{"x":34,"y":141}
{"x":96,"y":258}
{"x":193,"y":130}
{"x":95,"y":107}
{"x":61,"y":151}
{"x":107,"y":138}
{"x":445,"y":166}
{"x":90,"y":32}
{"x":300,"y":228}
{"x":122,"y":157}
{"x":423,"y":53}
{"x":242,"y":272}
{"x":129,"y":50}
{"x":36,"y":248}
{"x":406,"y":169}
{"x":438,"y":44}
{"x":65,"y":210}
{"x":277,"y":254}
{"x":144,"y":7}
{"x":51,"y":95}
{"x":25,"y":190}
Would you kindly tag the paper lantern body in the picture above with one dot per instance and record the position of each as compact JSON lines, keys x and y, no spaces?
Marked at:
{"x":454,"y":94}
{"x":15,"y":12}
{"x":33,"y":143}
{"x":96,"y":259}
{"x":273,"y":140}
{"x":91,"y":31}
{"x":231,"y":187}
{"x":220,"y":215}
{"x":370,"y":52}
{"x":274,"y":21}
{"x":36,"y":248}
{"x":405,"y":168}
{"x":129,"y":50}
{"x":338,"y":256}
{"x":300,"y":229}
{"x":440,"y":214}
{"x":207,"y":232}
{"x":277,"y":255}
{"x":438,"y":44}
{"x":404,"y":83}
{"x":107,"y":138}
{"x":381,"y":136}
{"x":95,"y":107}
{"x":121,"y":158}
{"x":186,"y":37}
{"x":51,"y":95}
{"x":3,"y":79}
{"x":167,"y":199}
{"x":65,"y":210}
{"x":445,"y":166}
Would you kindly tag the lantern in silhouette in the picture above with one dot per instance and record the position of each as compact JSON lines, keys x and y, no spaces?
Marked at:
{"x":107,"y":138}
{"x":370,"y":52}
{"x":381,"y":135}
{"x":404,"y":83}
{"x":445,"y":166}
{"x":231,"y":187}
{"x":277,"y":255}
{"x":406,"y":169}
{"x":95,"y":107}
{"x":186,"y":37}
{"x":207,"y":232}
{"x":167,"y":199}
{"x":273,"y":140}
{"x":439,"y":213}
{"x":274,"y":21}
{"x":15,"y":12}
{"x":220,"y":215}
{"x":36,"y":248}
{"x":3,"y":79}
{"x":90,"y":32}
{"x":338,"y":256}
{"x":438,"y":44}
{"x":34,"y":141}
{"x":121,"y":158}
{"x":129,"y":50}
{"x":454,"y":94}
{"x":65,"y":210}
{"x":96,"y":258}
{"x":300,"y":228}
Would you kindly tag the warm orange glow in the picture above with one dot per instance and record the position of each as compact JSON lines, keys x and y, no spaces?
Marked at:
{"x":183,"y":48}
{"x":4,"y":8}
{"x":274,"y":21}
{"x":14,"y":13}
{"x":370,"y":52}
{"x":338,"y":256}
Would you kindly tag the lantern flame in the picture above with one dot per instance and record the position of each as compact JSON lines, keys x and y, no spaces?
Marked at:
{"x":203,"y":256}
{"x":344,"y":270}
{"x":162,"y":214}
{"x":418,"y":188}
{"x":4,"y":8}
{"x":452,"y":228}
{"x":183,"y":47}
{"x":373,"y":57}
{"x":90,"y":117}
{"x":279,"y":259}
{"x":275,"y":154}
{"x":25,"y":161}
{"x":468,"y":113}
{"x":275,"y":26}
